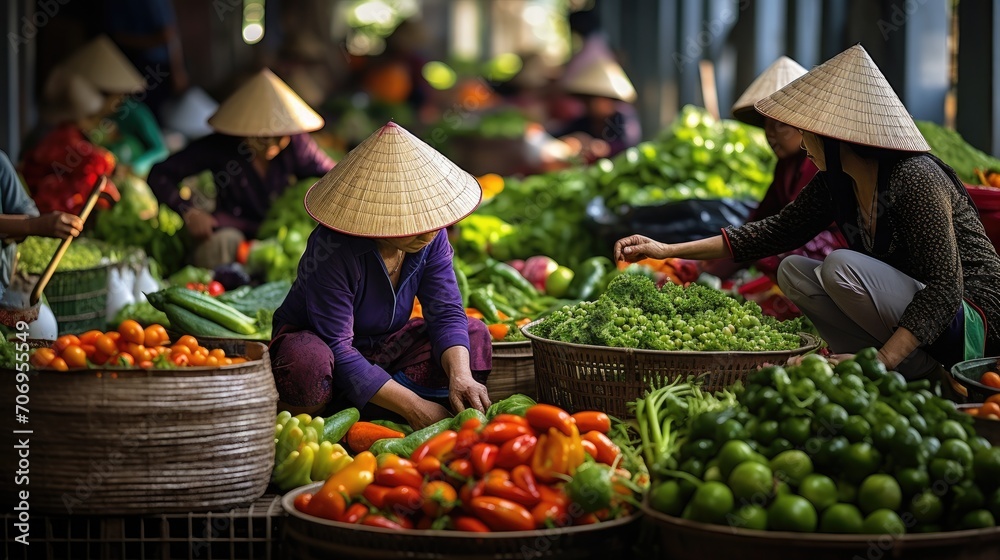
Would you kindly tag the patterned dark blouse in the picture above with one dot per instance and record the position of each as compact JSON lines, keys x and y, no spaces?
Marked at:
{"x":926,"y":227}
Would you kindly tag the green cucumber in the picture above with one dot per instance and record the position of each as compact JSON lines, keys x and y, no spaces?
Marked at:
{"x":216,"y":311}
{"x":187,"y":322}
{"x":335,"y":427}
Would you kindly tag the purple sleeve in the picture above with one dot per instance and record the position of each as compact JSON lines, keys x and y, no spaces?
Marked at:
{"x":447,"y":324}
{"x":330,"y":313}
{"x":310,"y":159}
{"x":164,"y":177}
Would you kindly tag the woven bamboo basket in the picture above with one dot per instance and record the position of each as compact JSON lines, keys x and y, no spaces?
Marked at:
{"x":681,"y":539}
{"x":513,"y":370}
{"x":310,"y":538}
{"x":78,"y":299}
{"x":107,"y":442}
{"x":579,"y":377}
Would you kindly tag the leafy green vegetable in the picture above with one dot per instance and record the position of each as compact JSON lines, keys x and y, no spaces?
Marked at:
{"x":515,"y":404}
{"x":7,"y":354}
{"x":956,"y":152}
{"x":36,"y":252}
{"x":288,"y":211}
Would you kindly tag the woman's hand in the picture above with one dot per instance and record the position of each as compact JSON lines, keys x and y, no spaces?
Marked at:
{"x":201,"y":224}
{"x":835,"y":359}
{"x":464,"y":389}
{"x":637,"y":247}
{"x":422,"y":413}
{"x":56,"y":224}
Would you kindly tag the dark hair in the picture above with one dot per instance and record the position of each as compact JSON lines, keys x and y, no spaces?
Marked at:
{"x":887,"y":159}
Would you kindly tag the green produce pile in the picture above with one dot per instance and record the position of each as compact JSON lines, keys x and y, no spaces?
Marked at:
{"x":198,"y":314}
{"x":277,"y":258}
{"x":956,"y":152}
{"x":34,"y":254}
{"x":307,"y":448}
{"x":8,"y":354}
{"x":633,"y":313}
{"x":143,"y":313}
{"x":250,"y":301}
{"x":698,"y":157}
{"x":288,"y":211}
{"x":503,"y":123}
{"x":851,"y":449}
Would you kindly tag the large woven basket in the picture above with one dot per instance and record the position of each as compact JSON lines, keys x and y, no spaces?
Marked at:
{"x":579,"y":377}
{"x":513,"y":370}
{"x":681,"y":539}
{"x":78,"y":299}
{"x":107,"y":442}
{"x":310,"y":538}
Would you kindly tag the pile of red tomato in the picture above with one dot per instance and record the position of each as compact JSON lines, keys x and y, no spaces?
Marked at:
{"x":129,"y":346}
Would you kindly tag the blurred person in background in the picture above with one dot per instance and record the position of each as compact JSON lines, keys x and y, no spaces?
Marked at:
{"x":261,"y":140}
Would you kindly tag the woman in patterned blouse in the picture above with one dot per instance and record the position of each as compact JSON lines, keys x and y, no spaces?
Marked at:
{"x":920,"y":280}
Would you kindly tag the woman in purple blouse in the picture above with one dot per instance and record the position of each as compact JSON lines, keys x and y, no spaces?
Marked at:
{"x":262,"y":143}
{"x":343,"y":336}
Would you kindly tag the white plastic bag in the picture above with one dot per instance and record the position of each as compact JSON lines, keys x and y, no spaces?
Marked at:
{"x":121,"y":285}
{"x":45,"y":326}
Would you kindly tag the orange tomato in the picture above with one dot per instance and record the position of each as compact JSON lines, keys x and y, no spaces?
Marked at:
{"x":106,"y":345}
{"x":994,"y":398}
{"x":42,"y":357}
{"x":972,"y":411}
{"x":180,"y":349}
{"x":138,"y":352}
{"x":58,"y":364}
{"x":123,"y":359}
{"x":100,"y":358}
{"x":115,"y":336}
{"x":226,"y":362}
{"x":189,"y":341}
{"x":498,"y":331}
{"x":212,"y":361}
{"x":990,"y":379}
{"x":90,"y":337}
{"x":156,"y":335}
{"x":217,"y":353}
{"x":65,"y":341}
{"x":196,"y":359}
{"x":132,"y":331}
{"x":989,"y":408}
{"x":239,"y":360}
{"x":146,"y":364}
{"x":74,"y":356}
{"x":180,"y":360}
{"x":200,"y":350}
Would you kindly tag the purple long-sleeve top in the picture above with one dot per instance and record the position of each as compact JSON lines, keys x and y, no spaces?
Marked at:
{"x":343,"y":295}
{"x":242,"y":195}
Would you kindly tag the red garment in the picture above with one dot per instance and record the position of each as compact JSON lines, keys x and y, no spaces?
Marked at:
{"x":62,"y":169}
{"x":790,"y":176}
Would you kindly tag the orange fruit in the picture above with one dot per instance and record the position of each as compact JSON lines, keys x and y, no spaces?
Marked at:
{"x":58,"y":364}
{"x":989,"y":408}
{"x":217,"y":353}
{"x":65,"y":341}
{"x":155,"y":335}
{"x":189,"y":341}
{"x":132,"y":331}
{"x":42,"y":357}
{"x":90,"y":337}
{"x":74,"y":356}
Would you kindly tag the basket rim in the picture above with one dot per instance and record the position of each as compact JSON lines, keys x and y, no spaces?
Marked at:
{"x":288,"y":501}
{"x":810,"y":343}
{"x":954,"y":372}
{"x":190,"y":371}
{"x":512,"y":345}
{"x":862,"y":539}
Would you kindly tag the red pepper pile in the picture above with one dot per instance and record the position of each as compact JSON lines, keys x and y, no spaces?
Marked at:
{"x":509,"y":475}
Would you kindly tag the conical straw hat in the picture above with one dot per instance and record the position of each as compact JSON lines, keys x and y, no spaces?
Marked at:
{"x":393,"y":185}
{"x":263,"y":107}
{"x":77,"y":99}
{"x":778,"y":75}
{"x":103,"y":64}
{"x":849,"y":99}
{"x":604,"y":78}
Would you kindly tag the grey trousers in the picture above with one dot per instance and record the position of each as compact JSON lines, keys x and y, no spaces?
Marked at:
{"x":218,"y":249}
{"x":855,"y":301}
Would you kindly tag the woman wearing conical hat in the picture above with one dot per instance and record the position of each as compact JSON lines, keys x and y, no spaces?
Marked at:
{"x":261,"y":143}
{"x":920,"y":280}
{"x":343,"y":336}
{"x":792,"y":172}
{"x":610,"y":123}
{"x":127,"y":126}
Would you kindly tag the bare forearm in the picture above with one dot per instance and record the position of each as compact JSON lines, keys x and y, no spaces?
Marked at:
{"x":703,"y":249}
{"x":900,"y":345}
{"x":455,"y":361}
{"x":393,"y":396}
{"x":15,"y":226}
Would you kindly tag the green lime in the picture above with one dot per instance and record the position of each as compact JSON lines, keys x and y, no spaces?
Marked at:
{"x":849,"y":367}
{"x":733,"y":453}
{"x":956,"y":450}
{"x":751,"y":481}
{"x":986,"y":465}
{"x":946,"y":470}
{"x":856,"y":428}
{"x":749,"y":517}
{"x":978,"y":519}
{"x":667,"y":498}
{"x":883,"y":522}
{"x":841,"y":518}
{"x":795,"y":429}
{"x":557,"y":284}
{"x":879,"y":491}
{"x":711,"y":503}
{"x":993,"y":503}
{"x":791,"y":513}
{"x":831,"y":452}
{"x":703,"y":449}
{"x":820,"y":490}
{"x":694,"y":466}
{"x":918,"y":423}
{"x":781,"y":488}
{"x":729,"y":430}
{"x":966,"y":496}
{"x":905,"y":447}
{"x":882,"y":435}
{"x":978,"y":443}
{"x":830,"y":419}
{"x":766,"y":432}
{"x":860,"y":460}
{"x":713,"y":474}
{"x":926,"y":507}
{"x":777,"y":447}
{"x":792,"y":466}
{"x":846,"y":492}
{"x":913,"y":480}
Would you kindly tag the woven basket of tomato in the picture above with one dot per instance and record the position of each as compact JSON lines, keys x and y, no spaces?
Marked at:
{"x":519,"y":486}
{"x":126,"y":422}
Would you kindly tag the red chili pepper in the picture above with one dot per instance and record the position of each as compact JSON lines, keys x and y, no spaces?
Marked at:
{"x":463,"y":444}
{"x":510,"y":418}
{"x":399,"y":476}
{"x":403,"y":500}
{"x":523,"y":478}
{"x":375,"y":520}
{"x":591,"y":420}
{"x":502,"y":515}
{"x":554,"y":495}
{"x":431,"y":468}
{"x":541,"y":417}
{"x":484,"y":457}
{"x":301,"y":502}
{"x":497,"y":474}
{"x":355,"y":513}
{"x":502,"y":432}
{"x":470,"y":524}
{"x":438,"y":446}
{"x":607,"y":451}
{"x":546,"y":513}
{"x":589,"y":448}
{"x":507,"y":490}
{"x":461,"y":469}
{"x":471,"y":424}
{"x":375,"y":495}
{"x":517,"y":451}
